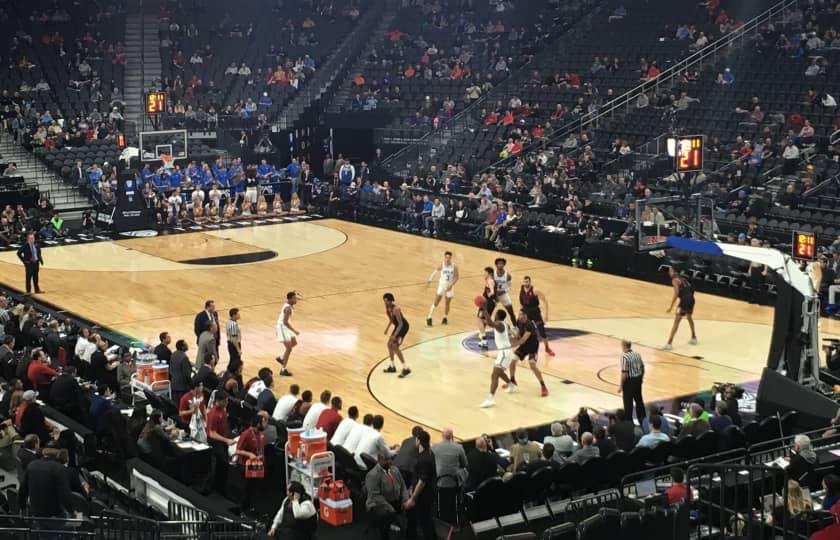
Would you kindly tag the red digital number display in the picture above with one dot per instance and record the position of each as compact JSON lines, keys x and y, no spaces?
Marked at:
{"x":804,"y":245}
{"x":155,"y":103}
{"x":689,"y":154}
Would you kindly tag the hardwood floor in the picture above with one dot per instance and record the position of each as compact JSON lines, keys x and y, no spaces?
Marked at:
{"x":138,"y":287}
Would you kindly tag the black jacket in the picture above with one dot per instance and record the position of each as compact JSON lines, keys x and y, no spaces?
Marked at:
{"x":480,"y":467}
{"x":45,"y":489}
{"x":24,"y":253}
{"x":201,"y":320}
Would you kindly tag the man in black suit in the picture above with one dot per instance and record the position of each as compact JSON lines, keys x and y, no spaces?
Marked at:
{"x":30,"y":255}
{"x":45,"y":489}
{"x":209,"y":315}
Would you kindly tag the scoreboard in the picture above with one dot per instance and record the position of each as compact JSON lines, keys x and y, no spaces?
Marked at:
{"x":688,"y":155}
{"x":155,"y":103}
{"x":804,"y":245}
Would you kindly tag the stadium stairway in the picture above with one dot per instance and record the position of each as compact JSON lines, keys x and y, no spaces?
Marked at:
{"x":329,"y":76}
{"x":142,"y":68}
{"x":64,"y":197}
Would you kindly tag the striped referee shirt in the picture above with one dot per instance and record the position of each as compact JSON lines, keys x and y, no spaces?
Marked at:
{"x":232,"y":331}
{"x":631,"y":362}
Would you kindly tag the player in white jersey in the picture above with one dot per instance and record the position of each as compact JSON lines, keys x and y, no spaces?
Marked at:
{"x":286,"y":332}
{"x":446,"y":287}
{"x":503,"y":281}
{"x":504,"y":354}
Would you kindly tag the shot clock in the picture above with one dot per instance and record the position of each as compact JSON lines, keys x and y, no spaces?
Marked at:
{"x":688,"y":156}
{"x":804,"y":245}
{"x":155,"y":103}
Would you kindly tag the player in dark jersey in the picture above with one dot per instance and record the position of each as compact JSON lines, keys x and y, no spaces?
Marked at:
{"x":529,"y":300}
{"x":529,"y":347}
{"x":400,"y":324}
{"x":489,"y":295}
{"x":684,"y":293}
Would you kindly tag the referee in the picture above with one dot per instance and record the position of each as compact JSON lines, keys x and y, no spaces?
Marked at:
{"x":632,"y":373}
{"x":234,"y":340}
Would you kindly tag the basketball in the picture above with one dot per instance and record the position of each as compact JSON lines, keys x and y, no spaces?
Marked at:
{"x":479,"y":301}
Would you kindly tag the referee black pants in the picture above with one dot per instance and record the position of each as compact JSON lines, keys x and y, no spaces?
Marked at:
{"x":631,"y":390}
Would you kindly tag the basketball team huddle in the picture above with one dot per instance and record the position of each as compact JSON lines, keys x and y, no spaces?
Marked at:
{"x":516,"y":342}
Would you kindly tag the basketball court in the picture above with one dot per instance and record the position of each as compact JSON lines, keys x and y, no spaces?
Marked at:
{"x":142,"y":286}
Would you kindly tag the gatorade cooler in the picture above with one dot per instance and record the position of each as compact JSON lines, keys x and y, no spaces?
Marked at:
{"x":294,"y":440}
{"x":336,"y":513}
{"x":313,"y":442}
{"x":145,"y":371}
{"x":160,"y":372}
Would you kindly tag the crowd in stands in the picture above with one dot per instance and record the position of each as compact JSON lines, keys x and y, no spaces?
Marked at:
{"x":439,"y":57}
{"x":264,"y":60}
{"x":65,"y":69}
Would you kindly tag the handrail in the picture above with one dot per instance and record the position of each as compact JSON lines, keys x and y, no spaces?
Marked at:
{"x":477,"y":103}
{"x":667,"y":75}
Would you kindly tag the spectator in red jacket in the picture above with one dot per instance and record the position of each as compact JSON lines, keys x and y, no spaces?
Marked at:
{"x":330,"y":418}
{"x":39,"y":371}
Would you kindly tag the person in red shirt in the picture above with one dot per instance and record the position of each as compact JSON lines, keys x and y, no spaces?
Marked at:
{"x":678,"y":492}
{"x":251,"y":445}
{"x":832,"y":532}
{"x":191,"y":402}
{"x":39,"y":371}
{"x":218,"y":436}
{"x":330,"y":418}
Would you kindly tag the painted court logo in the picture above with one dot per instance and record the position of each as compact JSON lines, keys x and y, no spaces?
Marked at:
{"x":143,"y":233}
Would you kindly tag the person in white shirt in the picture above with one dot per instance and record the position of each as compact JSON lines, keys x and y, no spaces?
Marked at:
{"x":311,"y":418}
{"x":372,"y":442}
{"x":301,"y":507}
{"x":286,"y":403}
{"x":356,"y":434}
{"x":85,"y":345}
{"x":345,"y":426}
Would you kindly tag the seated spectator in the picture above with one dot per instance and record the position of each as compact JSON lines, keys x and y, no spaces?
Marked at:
{"x":314,"y":412}
{"x":803,"y":459}
{"x":285,"y":404}
{"x":586,"y":451}
{"x":387,"y":495}
{"x":720,"y":420}
{"x":654,"y":436}
{"x":605,"y":444}
{"x":704,"y":414}
{"x":562,"y":442}
{"x":655,"y":410}
{"x":100,"y":404}
{"x":330,"y":418}
{"x":623,"y":431}
{"x":546,"y":459}
{"x":155,"y":440}
{"x":696,"y":425}
{"x":523,"y":449}
{"x":831,"y":485}
{"x":39,"y":371}
{"x":372,"y":442}
{"x":679,"y":491}
{"x":300,"y":408}
{"x":32,"y":420}
{"x":797,"y":502}
{"x":450,"y":459}
{"x":481,"y":465}
{"x":261,"y":393}
{"x":103,"y":366}
{"x":345,"y":427}
{"x":66,"y":394}
{"x":297,"y":518}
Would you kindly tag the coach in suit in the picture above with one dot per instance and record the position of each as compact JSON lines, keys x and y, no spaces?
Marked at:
{"x":30,"y":255}
{"x":209,"y":315}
